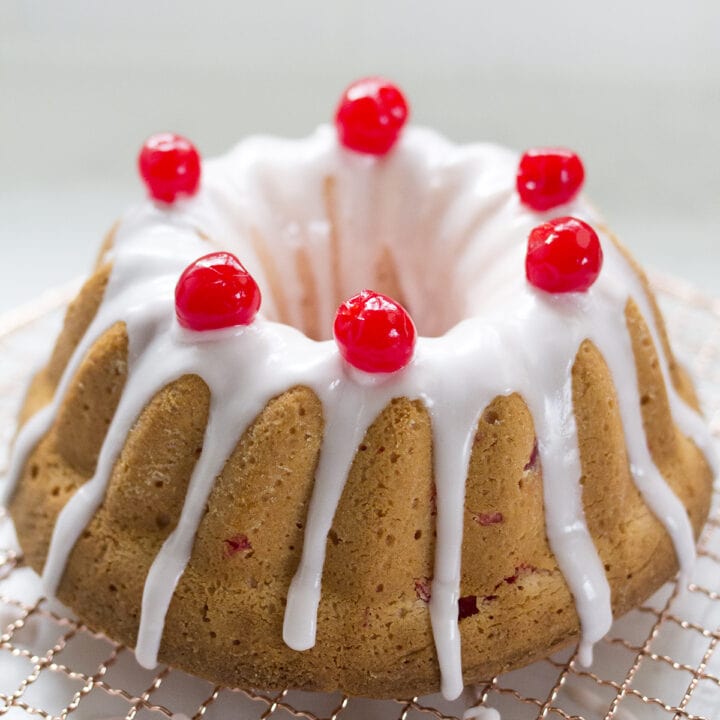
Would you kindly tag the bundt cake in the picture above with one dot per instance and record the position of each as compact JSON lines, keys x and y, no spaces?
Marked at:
{"x":333,"y":499}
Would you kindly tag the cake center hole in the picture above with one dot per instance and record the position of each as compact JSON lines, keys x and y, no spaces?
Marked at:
{"x":309,"y":262}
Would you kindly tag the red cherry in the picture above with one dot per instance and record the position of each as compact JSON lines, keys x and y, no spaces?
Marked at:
{"x":370,"y":116}
{"x":374,"y":333}
{"x":467,"y":606}
{"x":170,"y":166}
{"x":214,"y":292}
{"x":564,"y":255}
{"x":548,"y":177}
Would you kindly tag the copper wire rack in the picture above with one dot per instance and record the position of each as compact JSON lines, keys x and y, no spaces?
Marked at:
{"x":660,"y":661}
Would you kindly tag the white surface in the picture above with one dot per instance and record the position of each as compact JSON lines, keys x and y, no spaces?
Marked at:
{"x":632,"y":86}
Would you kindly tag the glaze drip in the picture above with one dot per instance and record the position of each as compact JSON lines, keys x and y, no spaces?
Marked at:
{"x":342,"y":220}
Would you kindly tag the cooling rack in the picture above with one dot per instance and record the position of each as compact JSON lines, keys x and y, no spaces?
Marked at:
{"x":659,"y":662}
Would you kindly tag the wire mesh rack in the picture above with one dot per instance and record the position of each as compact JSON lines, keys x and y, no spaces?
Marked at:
{"x":660,"y":661}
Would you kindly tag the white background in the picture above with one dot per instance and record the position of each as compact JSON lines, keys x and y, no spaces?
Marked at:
{"x":633,"y":86}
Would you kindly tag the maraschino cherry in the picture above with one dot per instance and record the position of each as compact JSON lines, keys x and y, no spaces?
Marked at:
{"x":370,"y":116}
{"x":549,"y":177}
{"x":374,"y":333}
{"x":170,"y":167}
{"x":215,"y":292}
{"x":564,"y":255}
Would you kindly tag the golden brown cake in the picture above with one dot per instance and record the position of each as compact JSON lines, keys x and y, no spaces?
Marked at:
{"x":264,"y":506}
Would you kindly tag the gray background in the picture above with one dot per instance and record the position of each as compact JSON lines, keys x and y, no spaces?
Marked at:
{"x":633,"y":86}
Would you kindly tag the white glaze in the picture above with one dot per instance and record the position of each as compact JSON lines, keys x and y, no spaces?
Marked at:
{"x":474,"y":697}
{"x":480,"y":712}
{"x":448,"y":216}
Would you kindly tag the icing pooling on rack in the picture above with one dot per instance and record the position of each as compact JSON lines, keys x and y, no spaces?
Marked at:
{"x":275,"y":204}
